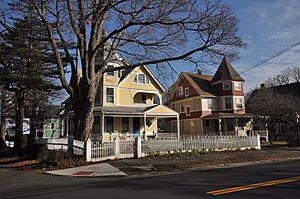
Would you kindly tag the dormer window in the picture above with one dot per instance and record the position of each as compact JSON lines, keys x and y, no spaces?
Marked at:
{"x":141,"y":79}
{"x":110,"y":73}
{"x":226,"y":86}
{"x":237,"y":86}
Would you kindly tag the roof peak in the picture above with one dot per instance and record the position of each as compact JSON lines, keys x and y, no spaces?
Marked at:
{"x":226,"y":72}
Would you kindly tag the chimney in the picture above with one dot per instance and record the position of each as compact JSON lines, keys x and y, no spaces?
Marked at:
{"x":199,"y":71}
{"x":262,"y":85}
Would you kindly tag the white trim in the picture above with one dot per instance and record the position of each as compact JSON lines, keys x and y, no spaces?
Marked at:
{"x":240,"y":89}
{"x":137,"y":79}
{"x":186,"y":91}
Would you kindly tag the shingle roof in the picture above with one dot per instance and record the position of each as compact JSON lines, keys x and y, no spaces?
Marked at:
{"x":203,"y":84}
{"x":226,"y":72}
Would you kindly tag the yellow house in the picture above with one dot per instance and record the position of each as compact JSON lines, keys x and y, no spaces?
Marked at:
{"x":128,"y":104}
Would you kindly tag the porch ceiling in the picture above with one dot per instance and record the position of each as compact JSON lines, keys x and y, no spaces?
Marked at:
{"x":228,"y":115}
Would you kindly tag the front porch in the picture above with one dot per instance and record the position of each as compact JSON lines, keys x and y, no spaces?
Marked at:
{"x":228,"y":124}
{"x":127,"y":123}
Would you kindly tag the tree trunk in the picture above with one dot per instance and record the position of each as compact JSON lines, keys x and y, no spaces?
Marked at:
{"x":83,"y":111}
{"x":3,"y":114}
{"x":19,"y":120}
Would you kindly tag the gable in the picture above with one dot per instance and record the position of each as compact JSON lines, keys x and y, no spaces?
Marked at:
{"x":128,"y":81}
{"x":185,"y":84}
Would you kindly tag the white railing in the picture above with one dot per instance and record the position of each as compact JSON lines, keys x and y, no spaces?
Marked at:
{"x":63,"y":144}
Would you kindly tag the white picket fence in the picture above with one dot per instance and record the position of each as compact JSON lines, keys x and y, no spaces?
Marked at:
{"x":63,"y":144}
{"x":97,"y":151}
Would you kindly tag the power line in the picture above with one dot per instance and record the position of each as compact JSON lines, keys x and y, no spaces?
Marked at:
{"x":289,"y":47}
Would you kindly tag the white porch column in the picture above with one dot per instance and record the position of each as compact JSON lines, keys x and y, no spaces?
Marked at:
{"x":145,"y":127}
{"x":102,"y":124}
{"x":178,"y":127}
{"x":220,"y":126}
{"x":67,"y":126}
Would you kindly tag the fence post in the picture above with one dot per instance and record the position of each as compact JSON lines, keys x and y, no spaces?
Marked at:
{"x":88,"y":150}
{"x":138,"y":147}
{"x":70,"y":144}
{"x":258,"y":142}
{"x":117,"y":147}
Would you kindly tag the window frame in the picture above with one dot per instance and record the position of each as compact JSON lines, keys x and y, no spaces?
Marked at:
{"x":110,"y":73}
{"x":136,"y":79}
{"x":241,"y":103}
{"x":188,"y":110}
{"x":106,"y":124}
{"x":228,"y":98}
{"x":240,"y":86}
{"x":210,"y":103}
{"x":113,"y":95}
{"x":179,"y":91}
{"x":229,"y":86}
{"x":123,"y":124}
{"x":186,"y":91}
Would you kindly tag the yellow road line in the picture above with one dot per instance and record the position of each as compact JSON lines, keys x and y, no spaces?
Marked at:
{"x":252,"y":186}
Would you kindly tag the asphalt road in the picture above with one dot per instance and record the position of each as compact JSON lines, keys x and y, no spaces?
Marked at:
{"x":278,"y":180}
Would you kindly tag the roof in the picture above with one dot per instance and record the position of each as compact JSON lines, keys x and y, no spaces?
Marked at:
{"x":228,"y":115}
{"x":226,"y":72}
{"x":292,"y":89}
{"x":124,"y":109}
{"x":203,"y":84}
{"x":157,"y":110}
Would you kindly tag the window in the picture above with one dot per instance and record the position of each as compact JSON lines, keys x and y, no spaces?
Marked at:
{"x":141,"y":79}
{"x":186,"y":91}
{"x":174,"y":106}
{"x":109,"y":124}
{"x":226,"y":86}
{"x":210,"y":103}
{"x":110,"y":95}
{"x":230,"y":125}
{"x":125,"y":124}
{"x":96,"y":125}
{"x":110,"y":73}
{"x":143,"y":99}
{"x":228,"y":103}
{"x":179,"y":91}
{"x":188,"y":110}
{"x":237,"y":86}
{"x":181,"y":107}
{"x":239,"y":103}
{"x":207,"y":123}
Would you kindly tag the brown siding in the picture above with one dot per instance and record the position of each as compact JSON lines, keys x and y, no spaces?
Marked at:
{"x":195,"y":114}
{"x":184,"y":83}
{"x":218,"y":88}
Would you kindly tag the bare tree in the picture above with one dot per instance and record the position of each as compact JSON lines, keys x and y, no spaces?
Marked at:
{"x":273,"y":106}
{"x":286,"y":76}
{"x":144,"y":31}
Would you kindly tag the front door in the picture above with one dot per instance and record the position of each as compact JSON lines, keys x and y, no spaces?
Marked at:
{"x":136,"y":125}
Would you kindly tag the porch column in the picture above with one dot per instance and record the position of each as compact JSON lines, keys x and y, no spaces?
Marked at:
{"x":145,"y":127}
{"x":178,"y":127}
{"x":102,"y":124}
{"x":220,"y":126}
{"x":236,"y":126}
{"x":67,"y":126}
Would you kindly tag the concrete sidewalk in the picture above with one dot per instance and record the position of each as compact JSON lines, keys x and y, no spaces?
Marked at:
{"x":95,"y":170}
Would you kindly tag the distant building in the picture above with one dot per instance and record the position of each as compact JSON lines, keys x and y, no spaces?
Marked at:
{"x":210,"y":105}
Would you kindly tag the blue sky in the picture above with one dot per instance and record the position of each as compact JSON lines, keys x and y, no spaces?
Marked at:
{"x":266,"y":26}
